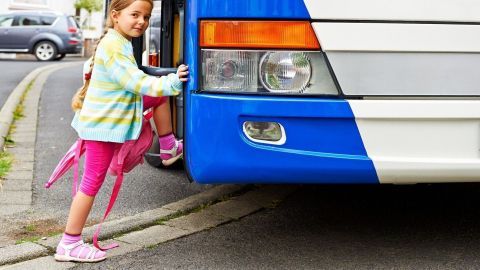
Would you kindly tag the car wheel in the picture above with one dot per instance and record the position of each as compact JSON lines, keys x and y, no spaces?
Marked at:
{"x":45,"y":51}
{"x":60,"y":57}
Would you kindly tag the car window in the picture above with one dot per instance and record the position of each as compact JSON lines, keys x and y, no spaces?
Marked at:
{"x":6,"y":21}
{"x":28,"y":20}
{"x":48,"y":20}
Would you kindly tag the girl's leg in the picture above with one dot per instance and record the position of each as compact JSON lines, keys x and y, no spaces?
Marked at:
{"x":97,"y":159}
{"x":79,"y":210}
{"x":170,"y":148}
{"x":163,"y":119}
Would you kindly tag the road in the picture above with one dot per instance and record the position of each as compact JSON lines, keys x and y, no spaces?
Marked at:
{"x":12,"y":72}
{"x":335,"y":227}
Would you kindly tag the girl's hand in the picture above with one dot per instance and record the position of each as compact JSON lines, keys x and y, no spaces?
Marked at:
{"x":182,"y":72}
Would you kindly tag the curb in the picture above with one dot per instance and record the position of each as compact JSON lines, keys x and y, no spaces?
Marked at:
{"x":26,"y":251}
{"x":151,"y":228}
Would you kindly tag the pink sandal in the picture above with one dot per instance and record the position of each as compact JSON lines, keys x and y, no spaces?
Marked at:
{"x":88,"y":257}
{"x":174,"y":155}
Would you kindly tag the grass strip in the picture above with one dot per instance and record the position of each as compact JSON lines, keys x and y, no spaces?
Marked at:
{"x":5,"y":157}
{"x":5,"y":163}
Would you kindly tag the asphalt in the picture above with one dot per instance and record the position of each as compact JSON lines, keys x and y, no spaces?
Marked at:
{"x":136,"y":229}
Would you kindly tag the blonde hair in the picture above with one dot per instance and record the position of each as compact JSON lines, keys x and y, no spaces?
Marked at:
{"x":117,"y":5}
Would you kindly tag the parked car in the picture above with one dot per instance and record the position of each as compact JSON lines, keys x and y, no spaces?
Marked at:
{"x":48,"y":35}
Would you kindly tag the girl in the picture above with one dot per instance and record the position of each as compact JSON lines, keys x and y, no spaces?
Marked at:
{"x":110,"y":113}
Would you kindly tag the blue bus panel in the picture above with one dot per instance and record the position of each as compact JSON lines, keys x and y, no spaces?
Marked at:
{"x":323,"y":143}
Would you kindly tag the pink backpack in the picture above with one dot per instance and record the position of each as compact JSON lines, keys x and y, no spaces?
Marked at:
{"x":130,"y":154}
{"x":125,"y":158}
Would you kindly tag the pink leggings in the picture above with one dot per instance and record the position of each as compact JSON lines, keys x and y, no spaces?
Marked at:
{"x":98,"y":155}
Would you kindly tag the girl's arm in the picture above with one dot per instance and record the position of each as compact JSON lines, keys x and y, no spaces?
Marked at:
{"x":125,"y":72}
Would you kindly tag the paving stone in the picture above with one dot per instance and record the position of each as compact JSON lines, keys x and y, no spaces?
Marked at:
{"x":51,"y":242}
{"x":196,"y":222}
{"x":16,"y":185}
{"x":123,"y":248}
{"x":23,"y":158}
{"x":31,"y":98}
{"x":15,"y":197}
{"x":25,"y":126}
{"x":23,"y":139}
{"x":27,"y":117}
{"x":21,"y":151}
{"x":25,"y":144}
{"x":154,"y":214}
{"x":20,"y":175}
{"x":267,"y":196}
{"x":203,"y":198}
{"x":24,"y":123}
{"x":22,"y":166}
{"x":234,"y":209}
{"x":21,"y":155}
{"x":24,"y":129}
{"x":42,"y":263}
{"x":10,"y":209}
{"x":152,"y":236}
{"x":19,"y":252}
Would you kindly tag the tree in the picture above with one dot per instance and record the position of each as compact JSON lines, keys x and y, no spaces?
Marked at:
{"x":90,"y":6}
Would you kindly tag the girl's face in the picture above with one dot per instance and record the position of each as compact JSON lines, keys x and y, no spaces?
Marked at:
{"x":132,"y":21}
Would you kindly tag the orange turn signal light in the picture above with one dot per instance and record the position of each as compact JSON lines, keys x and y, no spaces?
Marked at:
{"x":258,"y":34}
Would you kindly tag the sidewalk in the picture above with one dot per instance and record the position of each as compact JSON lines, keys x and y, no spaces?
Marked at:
{"x":213,"y":207}
{"x":16,"y":191}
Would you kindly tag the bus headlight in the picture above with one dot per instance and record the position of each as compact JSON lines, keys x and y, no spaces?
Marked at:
{"x":284,"y":72}
{"x":266,"y":72}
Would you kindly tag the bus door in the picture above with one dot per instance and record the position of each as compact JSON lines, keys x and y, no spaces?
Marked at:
{"x":160,"y":51}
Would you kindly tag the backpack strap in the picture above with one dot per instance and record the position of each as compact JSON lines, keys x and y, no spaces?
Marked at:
{"x":116,"y":189}
{"x":78,"y":153}
{"x":113,"y":197}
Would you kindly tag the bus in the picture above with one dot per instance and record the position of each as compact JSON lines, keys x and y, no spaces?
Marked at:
{"x":322,"y":91}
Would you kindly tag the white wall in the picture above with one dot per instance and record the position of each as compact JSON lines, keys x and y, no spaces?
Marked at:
{"x":65,"y":6}
{"x":96,"y":21}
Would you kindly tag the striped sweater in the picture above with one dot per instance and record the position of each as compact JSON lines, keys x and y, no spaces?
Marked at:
{"x":112,"y":109}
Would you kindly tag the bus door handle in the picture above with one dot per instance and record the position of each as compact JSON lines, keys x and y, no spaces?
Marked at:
{"x":157,"y":71}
